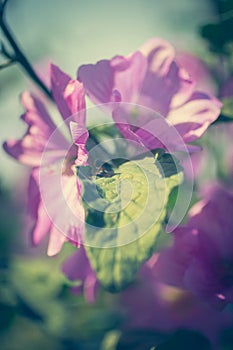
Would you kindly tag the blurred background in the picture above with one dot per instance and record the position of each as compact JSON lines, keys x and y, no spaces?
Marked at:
{"x":36,"y":307}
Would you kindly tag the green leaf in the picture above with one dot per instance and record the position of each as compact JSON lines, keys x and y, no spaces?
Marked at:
{"x":219,"y":34}
{"x":227,"y":109}
{"x":125,"y":218}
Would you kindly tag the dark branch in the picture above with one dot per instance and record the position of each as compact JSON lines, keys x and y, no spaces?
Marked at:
{"x":2,"y":7}
{"x":7,"y":64}
{"x":4,"y":52}
{"x":19,"y":56}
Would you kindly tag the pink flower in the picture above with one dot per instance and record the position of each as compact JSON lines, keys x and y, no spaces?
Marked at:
{"x":149,"y":304}
{"x":53,"y":162}
{"x":198,"y":71}
{"x":77,"y":268}
{"x":151,"y":78}
{"x":201,"y":258}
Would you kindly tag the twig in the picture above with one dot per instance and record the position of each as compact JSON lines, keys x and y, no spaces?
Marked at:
{"x":19,"y":56}
{"x":4,"y":52}
{"x":2,"y":7}
{"x":7,"y":64}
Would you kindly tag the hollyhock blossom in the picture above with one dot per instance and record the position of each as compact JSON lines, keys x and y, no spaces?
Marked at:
{"x":86,"y":276}
{"x":201,"y":258}
{"x":153,"y":305}
{"x":214,"y":159}
{"x":198,"y":71}
{"x":51,"y":160}
{"x":151,"y":77}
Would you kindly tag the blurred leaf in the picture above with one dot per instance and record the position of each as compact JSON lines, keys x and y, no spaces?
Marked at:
{"x":37,"y":285}
{"x":24,"y":334}
{"x":132,"y":204}
{"x":227,"y":109}
{"x":110,"y":340}
{"x":220,"y":33}
{"x":226,"y":112}
{"x":27,"y":311}
{"x":168,"y":164}
{"x":105,"y":130}
{"x":140,"y":340}
{"x":227,"y":339}
{"x":7,"y":313}
{"x":9,"y":228}
{"x":184,"y":340}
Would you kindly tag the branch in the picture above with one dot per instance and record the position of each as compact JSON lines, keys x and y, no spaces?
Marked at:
{"x":7,"y":64}
{"x":2,"y":7}
{"x":5,"y":53}
{"x":19,"y":56}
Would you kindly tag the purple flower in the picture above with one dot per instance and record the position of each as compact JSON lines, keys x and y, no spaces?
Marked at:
{"x":77,"y":268}
{"x":151,"y":78}
{"x":198,"y":71}
{"x":201,"y":258}
{"x":53,"y":160}
{"x":150,"y":304}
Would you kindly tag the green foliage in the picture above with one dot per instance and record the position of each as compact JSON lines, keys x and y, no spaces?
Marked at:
{"x":126,"y":225}
{"x":140,"y":339}
{"x":227,"y":339}
{"x":227,"y":110}
{"x":186,"y":339}
{"x":219,"y":34}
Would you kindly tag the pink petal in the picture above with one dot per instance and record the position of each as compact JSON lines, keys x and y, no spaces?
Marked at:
{"x":37,"y":209}
{"x":77,"y":267}
{"x":56,"y":241}
{"x":159,"y":53}
{"x":23,"y":154}
{"x":33,"y":194}
{"x":42,"y":226}
{"x":98,"y":80}
{"x":36,"y":113}
{"x":68,"y":94}
{"x":29,"y":149}
{"x":173,"y":262}
{"x":80,"y":135}
{"x":194,"y":117}
{"x":166,"y":85}
{"x":129,"y":73}
{"x":149,"y":130}
{"x":113,"y":80}
{"x":198,"y":71}
{"x":74,"y":95}
{"x":63,"y":203}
